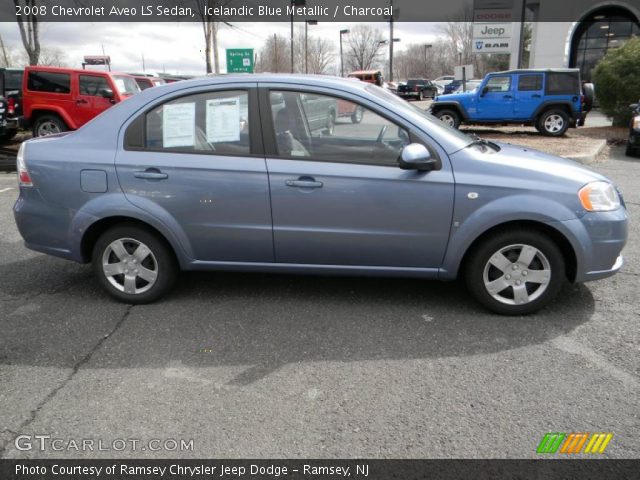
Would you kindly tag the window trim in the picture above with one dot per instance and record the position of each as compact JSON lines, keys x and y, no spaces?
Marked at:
{"x":136,"y":130}
{"x":269,"y":135}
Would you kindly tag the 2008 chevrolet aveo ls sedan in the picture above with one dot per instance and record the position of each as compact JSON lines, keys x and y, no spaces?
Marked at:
{"x":268,"y":173}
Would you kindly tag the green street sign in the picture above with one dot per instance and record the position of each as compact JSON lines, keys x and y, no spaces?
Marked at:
{"x":240,"y":60}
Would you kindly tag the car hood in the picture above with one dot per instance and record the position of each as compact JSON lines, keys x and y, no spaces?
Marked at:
{"x":524,"y":167}
{"x":454,"y":96}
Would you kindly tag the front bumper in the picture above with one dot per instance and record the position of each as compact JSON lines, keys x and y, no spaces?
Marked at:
{"x":597,"y":239}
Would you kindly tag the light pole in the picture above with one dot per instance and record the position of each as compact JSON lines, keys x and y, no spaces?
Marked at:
{"x":294,"y":3}
{"x":342,"y":32}
{"x":426,"y":47}
{"x":384,"y":42}
{"x":306,"y":48}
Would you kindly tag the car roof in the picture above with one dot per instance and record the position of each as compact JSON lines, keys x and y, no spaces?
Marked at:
{"x":72,"y":70}
{"x":538,"y":70}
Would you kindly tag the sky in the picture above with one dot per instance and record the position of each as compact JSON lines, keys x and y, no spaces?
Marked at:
{"x":177,"y":48}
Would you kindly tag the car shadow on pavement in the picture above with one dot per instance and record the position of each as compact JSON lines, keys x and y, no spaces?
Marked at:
{"x":257,"y":323}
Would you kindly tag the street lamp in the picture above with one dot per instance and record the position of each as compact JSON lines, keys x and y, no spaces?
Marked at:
{"x":306,"y":49}
{"x":342,"y":32}
{"x":385,"y":42}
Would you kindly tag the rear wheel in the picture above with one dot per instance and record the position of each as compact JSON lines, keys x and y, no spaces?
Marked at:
{"x":48,"y":125}
{"x":450,"y":117}
{"x":515,"y":272}
{"x":133,"y":264}
{"x":553,"y":123}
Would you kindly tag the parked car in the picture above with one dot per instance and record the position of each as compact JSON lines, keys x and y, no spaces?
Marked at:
{"x":368,"y":76}
{"x":469,"y":86}
{"x":633,"y":143}
{"x":176,"y":178}
{"x":11,"y":91}
{"x":551,"y":100}
{"x":418,"y":89}
{"x":445,"y":78}
{"x":60,"y":99}
{"x":146,"y":81}
{"x":452,"y":86}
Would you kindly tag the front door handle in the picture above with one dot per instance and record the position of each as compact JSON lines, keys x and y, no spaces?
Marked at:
{"x":151,"y":174}
{"x":303,"y":182}
{"x":508,"y":96}
{"x":81,"y":101}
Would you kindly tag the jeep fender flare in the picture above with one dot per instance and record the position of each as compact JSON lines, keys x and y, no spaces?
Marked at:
{"x":451,"y":104}
{"x":44,"y":109}
{"x":550,"y":104}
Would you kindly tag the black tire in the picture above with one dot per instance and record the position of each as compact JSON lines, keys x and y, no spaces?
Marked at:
{"x":446,"y":115}
{"x":631,"y":151}
{"x":48,"y":124}
{"x":8,"y":135}
{"x":553,"y":123}
{"x":509,"y":244}
{"x":589,"y":93}
{"x":356,"y":116}
{"x":160,"y":259}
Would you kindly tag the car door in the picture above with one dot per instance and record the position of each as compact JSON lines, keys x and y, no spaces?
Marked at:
{"x":495,"y":100}
{"x":195,"y":161}
{"x":341,"y":199}
{"x":90,"y":102}
{"x":528,"y":95}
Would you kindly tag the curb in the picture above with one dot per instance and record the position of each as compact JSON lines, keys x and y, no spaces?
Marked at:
{"x":589,"y":158}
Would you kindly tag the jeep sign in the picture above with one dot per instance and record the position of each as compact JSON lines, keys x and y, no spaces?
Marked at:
{"x":492,"y":30}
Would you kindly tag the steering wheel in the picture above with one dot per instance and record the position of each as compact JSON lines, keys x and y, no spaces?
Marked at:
{"x":383,"y":130}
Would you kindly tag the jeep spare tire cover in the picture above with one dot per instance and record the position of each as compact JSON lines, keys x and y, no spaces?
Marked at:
{"x":589,"y":93}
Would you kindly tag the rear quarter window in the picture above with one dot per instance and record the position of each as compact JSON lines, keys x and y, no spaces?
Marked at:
{"x":51,"y":82}
{"x":563,"y":83}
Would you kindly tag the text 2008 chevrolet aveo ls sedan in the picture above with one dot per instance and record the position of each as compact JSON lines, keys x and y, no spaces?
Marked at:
{"x":265,"y":173}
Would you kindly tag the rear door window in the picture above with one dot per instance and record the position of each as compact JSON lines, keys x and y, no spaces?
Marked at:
{"x":51,"y":82}
{"x":530,"y":83}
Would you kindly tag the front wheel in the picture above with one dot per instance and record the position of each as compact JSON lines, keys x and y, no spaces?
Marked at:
{"x":515,"y":272}
{"x":449,"y":117}
{"x":553,"y":123}
{"x":134,"y":265}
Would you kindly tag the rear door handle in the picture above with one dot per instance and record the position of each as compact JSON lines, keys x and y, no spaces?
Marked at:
{"x":151,"y":174}
{"x":535,"y":95}
{"x":303,"y":183}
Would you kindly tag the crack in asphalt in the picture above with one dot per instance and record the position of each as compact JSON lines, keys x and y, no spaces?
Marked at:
{"x":83,"y":361}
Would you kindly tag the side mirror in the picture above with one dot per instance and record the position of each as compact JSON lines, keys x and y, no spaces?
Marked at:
{"x":416,"y":157}
{"x":106,"y":93}
{"x":484,"y":91}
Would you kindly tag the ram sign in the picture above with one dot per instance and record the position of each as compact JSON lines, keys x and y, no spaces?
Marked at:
{"x":492,"y":45}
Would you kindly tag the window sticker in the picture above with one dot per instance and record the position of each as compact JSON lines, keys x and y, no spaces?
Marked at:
{"x":120,"y":84}
{"x":223,"y":120}
{"x":178,"y":125}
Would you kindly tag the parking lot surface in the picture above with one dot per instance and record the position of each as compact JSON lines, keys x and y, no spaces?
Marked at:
{"x":256,"y":365}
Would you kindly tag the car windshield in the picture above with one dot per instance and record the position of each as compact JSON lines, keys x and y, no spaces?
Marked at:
{"x":126,"y":85}
{"x":406,"y":106}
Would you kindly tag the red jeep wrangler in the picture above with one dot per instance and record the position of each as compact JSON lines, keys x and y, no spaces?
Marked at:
{"x":58,"y":99}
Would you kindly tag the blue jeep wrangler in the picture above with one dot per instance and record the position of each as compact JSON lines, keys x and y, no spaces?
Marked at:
{"x":551,"y":100}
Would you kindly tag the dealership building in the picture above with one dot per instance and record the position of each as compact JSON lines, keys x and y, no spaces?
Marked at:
{"x":597,"y":27}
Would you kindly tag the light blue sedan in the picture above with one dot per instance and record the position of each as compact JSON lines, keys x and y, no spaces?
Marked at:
{"x":268,"y":173}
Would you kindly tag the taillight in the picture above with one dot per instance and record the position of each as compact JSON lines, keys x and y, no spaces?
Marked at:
{"x":11,"y":106}
{"x":24,"y":179}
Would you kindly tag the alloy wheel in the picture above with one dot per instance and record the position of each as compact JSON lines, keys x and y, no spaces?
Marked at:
{"x":130,"y":266}
{"x":47,"y":128}
{"x":553,"y":123}
{"x":517,"y":274}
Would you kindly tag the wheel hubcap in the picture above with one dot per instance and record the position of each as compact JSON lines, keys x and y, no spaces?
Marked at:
{"x":130,"y":266}
{"x":554,"y":123}
{"x":448,"y":119}
{"x":47,"y":128}
{"x":517,"y":274}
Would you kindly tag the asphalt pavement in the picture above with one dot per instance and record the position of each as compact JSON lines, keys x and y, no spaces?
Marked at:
{"x":257,"y":365}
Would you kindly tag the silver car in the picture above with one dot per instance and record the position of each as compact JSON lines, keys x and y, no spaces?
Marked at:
{"x":229,"y":173}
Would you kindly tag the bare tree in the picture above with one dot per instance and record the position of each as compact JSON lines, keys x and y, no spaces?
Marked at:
{"x":53,"y":57}
{"x":210,"y":26}
{"x":6,"y":57}
{"x":275,"y":55}
{"x":363,"y":47}
{"x":322,"y":56}
{"x":29,"y":30}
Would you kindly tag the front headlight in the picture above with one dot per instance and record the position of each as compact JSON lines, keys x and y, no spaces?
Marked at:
{"x":599,"y":197}
{"x":636,"y":122}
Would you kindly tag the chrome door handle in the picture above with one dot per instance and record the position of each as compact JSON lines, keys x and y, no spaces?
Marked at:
{"x":508,"y":96}
{"x":303,"y":183}
{"x":151,"y":175}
